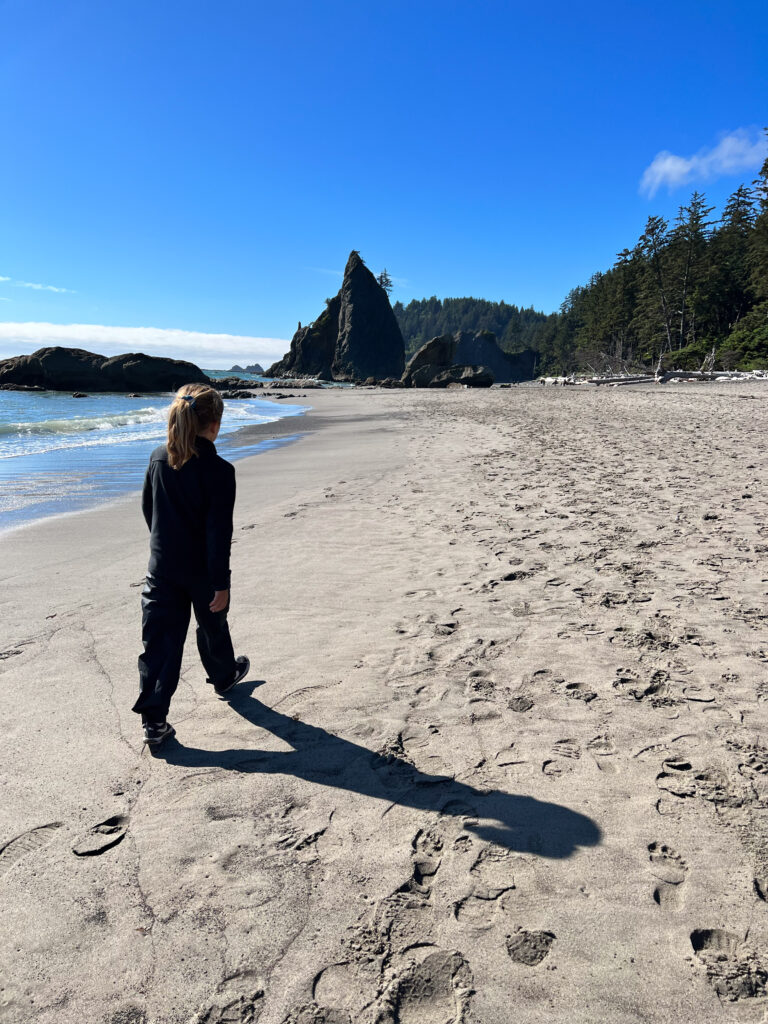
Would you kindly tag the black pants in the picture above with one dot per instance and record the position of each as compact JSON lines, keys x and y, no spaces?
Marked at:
{"x":165,"y":614}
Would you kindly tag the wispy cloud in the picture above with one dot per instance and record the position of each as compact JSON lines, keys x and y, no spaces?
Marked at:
{"x":37,"y":287}
{"x":739,"y":151}
{"x":328,"y":273}
{"x":41,"y":287}
{"x":207,"y":350}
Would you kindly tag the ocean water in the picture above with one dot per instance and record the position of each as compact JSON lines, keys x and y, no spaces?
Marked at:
{"x":62,"y":454}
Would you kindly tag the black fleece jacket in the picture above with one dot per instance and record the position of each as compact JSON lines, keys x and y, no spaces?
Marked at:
{"x":189,"y":514}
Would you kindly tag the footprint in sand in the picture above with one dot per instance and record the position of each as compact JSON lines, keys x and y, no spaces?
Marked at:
{"x":102,"y":837}
{"x":348,"y":986}
{"x":426,"y":859}
{"x":492,"y":873}
{"x":656,"y":688}
{"x":520,"y":704}
{"x":435,"y":991}
{"x":601,"y":748}
{"x":579,"y":691}
{"x":478,"y":911}
{"x":446,"y":628}
{"x":312,"y":1014}
{"x":479,"y":685}
{"x":27,"y":842}
{"x":671,"y":870}
{"x":529,"y":948}
{"x":238,"y":1000}
{"x":564,"y":753}
{"x":734,"y":970}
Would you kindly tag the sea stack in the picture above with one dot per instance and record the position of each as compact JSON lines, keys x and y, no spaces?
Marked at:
{"x":355,"y":337}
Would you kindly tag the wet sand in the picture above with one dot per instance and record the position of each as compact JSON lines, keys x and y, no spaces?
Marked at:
{"x":501,"y":755}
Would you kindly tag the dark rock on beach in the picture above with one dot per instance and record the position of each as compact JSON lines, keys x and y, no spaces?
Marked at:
{"x":312,"y":347}
{"x":482,"y":349}
{"x":469,"y":376}
{"x":436,"y":354}
{"x":235,"y":384}
{"x":478,"y":356}
{"x":74,"y":369}
{"x":355,"y":337}
{"x":369,"y":341}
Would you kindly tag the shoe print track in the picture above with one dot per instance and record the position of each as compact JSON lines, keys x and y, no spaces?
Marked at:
{"x":27,"y":842}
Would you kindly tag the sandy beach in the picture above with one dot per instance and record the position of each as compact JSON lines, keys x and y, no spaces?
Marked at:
{"x":501,"y":756}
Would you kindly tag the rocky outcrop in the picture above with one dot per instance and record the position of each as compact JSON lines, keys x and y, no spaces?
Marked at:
{"x":354,"y":338}
{"x":235,"y":384}
{"x":369,"y":343}
{"x":477,"y":354}
{"x":253,"y":368}
{"x":468,"y":376}
{"x":312,"y":347}
{"x":435,"y":354}
{"x":74,"y":369}
{"x":482,"y":348}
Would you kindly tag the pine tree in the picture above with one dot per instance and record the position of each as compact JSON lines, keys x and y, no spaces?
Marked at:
{"x":385,"y":281}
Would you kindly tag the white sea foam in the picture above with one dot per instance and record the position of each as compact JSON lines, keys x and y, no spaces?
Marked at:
{"x":59,"y":453}
{"x":82,"y":424}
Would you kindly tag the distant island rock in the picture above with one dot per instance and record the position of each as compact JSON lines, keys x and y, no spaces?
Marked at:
{"x":465,"y":358}
{"x":253,"y":368}
{"x":355,"y":338}
{"x":74,"y":369}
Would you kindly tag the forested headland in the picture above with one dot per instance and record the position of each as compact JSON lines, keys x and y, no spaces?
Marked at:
{"x":687,"y":292}
{"x":424,"y":319}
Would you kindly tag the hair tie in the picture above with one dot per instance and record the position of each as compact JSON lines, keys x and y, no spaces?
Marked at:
{"x":190,"y":399}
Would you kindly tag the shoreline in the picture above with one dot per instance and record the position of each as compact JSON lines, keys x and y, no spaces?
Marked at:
{"x":258,"y":437}
{"x":508,"y":679}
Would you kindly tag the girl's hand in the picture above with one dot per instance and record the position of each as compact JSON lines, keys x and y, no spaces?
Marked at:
{"x":220,"y":600}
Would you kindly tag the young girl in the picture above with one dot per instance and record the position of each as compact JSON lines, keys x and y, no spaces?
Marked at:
{"x":188,"y":498}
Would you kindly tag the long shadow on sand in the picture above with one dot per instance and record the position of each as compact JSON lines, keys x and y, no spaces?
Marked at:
{"x":519,"y":823}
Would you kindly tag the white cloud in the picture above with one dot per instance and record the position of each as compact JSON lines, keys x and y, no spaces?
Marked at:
{"x":324,"y":270}
{"x":211,"y":351}
{"x":40,"y":287}
{"x":741,"y":150}
{"x":4,"y":278}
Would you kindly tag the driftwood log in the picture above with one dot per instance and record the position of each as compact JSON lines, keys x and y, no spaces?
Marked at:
{"x":662,"y":378}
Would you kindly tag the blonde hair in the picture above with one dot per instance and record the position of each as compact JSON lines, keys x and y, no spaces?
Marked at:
{"x":195,"y":407}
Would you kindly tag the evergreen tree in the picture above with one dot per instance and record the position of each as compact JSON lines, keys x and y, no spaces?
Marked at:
{"x":385,"y":281}
{"x":676,"y":295}
{"x":688,"y":248}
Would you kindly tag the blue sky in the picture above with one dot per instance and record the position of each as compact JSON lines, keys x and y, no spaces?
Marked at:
{"x":201,"y":170}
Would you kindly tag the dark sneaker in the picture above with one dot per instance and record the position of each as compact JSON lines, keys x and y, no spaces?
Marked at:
{"x":241,"y":671}
{"x":156,"y":732}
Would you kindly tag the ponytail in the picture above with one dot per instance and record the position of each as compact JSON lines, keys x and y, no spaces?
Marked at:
{"x":194,"y":408}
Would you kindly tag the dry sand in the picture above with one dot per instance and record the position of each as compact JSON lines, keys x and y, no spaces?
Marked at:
{"x":501,"y":755}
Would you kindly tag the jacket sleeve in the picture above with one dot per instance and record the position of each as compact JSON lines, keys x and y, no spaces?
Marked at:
{"x":146,"y":498}
{"x":218,"y":526}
